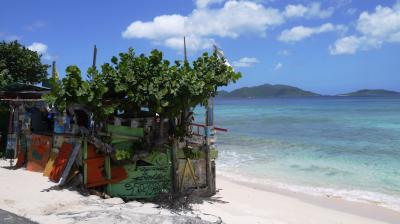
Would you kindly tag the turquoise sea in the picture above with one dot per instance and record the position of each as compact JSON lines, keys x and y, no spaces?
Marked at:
{"x":337,"y":146}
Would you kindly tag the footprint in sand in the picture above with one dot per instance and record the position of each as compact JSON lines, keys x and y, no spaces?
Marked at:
{"x":8,"y":201}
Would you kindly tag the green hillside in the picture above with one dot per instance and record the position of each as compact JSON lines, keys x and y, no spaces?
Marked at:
{"x":267,"y":91}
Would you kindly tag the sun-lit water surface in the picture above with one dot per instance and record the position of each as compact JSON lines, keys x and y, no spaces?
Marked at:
{"x":347,"y":147}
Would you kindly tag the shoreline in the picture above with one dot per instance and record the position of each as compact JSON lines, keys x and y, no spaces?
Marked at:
{"x":382,"y":200}
{"x":264,"y":204}
{"x":28,"y":194}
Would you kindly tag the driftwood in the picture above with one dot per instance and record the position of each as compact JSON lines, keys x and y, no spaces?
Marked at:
{"x":99,"y":144}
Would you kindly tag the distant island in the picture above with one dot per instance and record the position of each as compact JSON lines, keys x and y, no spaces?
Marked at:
{"x":372,"y":92}
{"x":282,"y":91}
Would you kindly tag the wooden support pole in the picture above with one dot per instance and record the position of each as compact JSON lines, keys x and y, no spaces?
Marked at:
{"x":94,"y":56}
{"x":209,"y":124}
{"x":174,"y":167}
{"x":184,"y":49}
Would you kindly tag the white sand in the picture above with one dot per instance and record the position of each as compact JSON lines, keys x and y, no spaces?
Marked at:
{"x":24,"y":193}
{"x":240,"y":203}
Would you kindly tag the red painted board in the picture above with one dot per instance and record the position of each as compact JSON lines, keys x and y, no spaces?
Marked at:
{"x":38,"y":152}
{"x":95,"y":172}
{"x":60,"y":162}
{"x":95,"y":169}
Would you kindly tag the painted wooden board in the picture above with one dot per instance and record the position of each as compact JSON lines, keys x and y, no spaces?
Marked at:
{"x":93,"y":167}
{"x":142,"y":182}
{"x":20,"y":157}
{"x":125,"y":131}
{"x":50,"y":164}
{"x":38,"y":152}
{"x":60,"y":162}
{"x":11,"y":148}
{"x":186,"y":177}
{"x":71,"y":161}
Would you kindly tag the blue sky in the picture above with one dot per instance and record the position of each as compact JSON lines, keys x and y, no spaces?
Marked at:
{"x":329,"y":47}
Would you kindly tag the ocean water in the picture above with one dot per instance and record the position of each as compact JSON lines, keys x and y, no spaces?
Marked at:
{"x":341,"y":147}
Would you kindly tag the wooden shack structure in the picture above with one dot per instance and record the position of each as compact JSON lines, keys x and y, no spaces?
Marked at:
{"x":69,"y":149}
{"x":23,"y":113}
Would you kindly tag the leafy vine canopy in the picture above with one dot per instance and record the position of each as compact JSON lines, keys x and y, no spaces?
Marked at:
{"x":130,"y":82}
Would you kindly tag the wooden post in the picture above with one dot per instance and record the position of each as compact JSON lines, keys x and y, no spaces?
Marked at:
{"x":208,"y":152}
{"x":94,"y":56}
{"x":174,"y":166}
{"x":85,"y":157}
{"x":212,"y":163}
{"x":184,"y":48}
{"x":54,"y":72}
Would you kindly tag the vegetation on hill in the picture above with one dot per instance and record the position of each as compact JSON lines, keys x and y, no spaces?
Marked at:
{"x":372,"y":92}
{"x":267,"y":91}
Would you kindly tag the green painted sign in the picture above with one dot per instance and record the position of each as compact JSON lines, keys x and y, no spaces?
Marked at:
{"x":123,"y":131}
{"x":142,"y":182}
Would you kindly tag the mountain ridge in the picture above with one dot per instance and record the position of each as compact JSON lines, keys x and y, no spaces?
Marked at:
{"x":282,"y":91}
{"x":372,"y":92}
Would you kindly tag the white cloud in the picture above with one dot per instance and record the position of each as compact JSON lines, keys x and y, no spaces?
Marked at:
{"x":351,"y":11}
{"x":345,"y":45}
{"x":278,"y":66}
{"x":374,"y":29}
{"x":313,"y":10}
{"x":233,"y":19}
{"x":161,"y":27}
{"x":193,"y":43}
{"x":206,"y":3}
{"x":383,"y":24}
{"x":299,"y":33}
{"x":41,"y":49}
{"x":245,"y":62}
{"x":228,"y":19}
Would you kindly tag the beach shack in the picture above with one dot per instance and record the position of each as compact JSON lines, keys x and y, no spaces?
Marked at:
{"x":127,"y":149}
{"x":23,"y":115}
{"x":127,"y":157}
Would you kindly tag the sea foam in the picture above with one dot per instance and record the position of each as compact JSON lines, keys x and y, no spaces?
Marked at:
{"x":367,"y":197}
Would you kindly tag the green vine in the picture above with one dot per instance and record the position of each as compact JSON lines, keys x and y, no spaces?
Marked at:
{"x":131,"y":82}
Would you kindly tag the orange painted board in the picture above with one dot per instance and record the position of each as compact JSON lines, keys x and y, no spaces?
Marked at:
{"x":38,"y":153}
{"x":95,"y":170}
{"x":20,"y":157}
{"x":96,"y":177}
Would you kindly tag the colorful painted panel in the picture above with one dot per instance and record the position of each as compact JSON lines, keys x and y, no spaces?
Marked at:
{"x":60,"y":162}
{"x":11,"y":148}
{"x":123,"y":131}
{"x":38,"y":152}
{"x":62,"y":124}
{"x":142,"y":182}
{"x":71,"y":161}
{"x":50,"y":164}
{"x":185,"y":174}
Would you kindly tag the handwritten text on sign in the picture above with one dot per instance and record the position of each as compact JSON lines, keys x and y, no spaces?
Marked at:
{"x":144,"y":182}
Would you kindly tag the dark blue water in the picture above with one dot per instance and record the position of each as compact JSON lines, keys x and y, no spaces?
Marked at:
{"x":347,"y":147}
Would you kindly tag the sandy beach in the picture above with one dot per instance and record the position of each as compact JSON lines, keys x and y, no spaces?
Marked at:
{"x":238,"y":202}
{"x":28,"y":194}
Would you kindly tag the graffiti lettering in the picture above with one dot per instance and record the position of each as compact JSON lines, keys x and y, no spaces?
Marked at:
{"x":149,"y":181}
{"x":40,"y":140}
